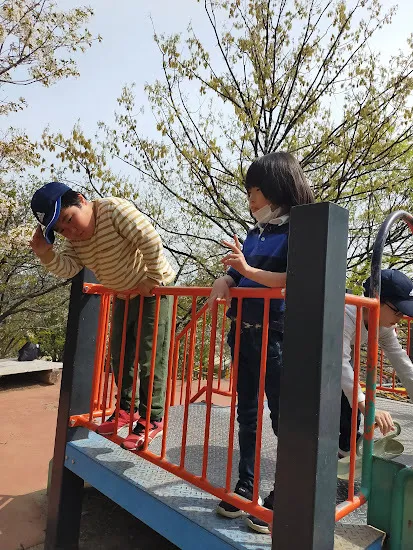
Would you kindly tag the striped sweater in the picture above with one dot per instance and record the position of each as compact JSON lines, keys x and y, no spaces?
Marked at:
{"x":123,"y":251}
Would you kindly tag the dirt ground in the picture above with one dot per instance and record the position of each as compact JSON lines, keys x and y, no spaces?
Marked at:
{"x":28,"y":412}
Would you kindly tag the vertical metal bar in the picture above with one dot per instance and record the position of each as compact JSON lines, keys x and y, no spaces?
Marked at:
{"x":234,"y":370}
{"x":184,"y":368}
{"x":100,"y":346}
{"x":210,"y":379}
{"x":354,"y":409}
{"x":152,"y":372}
{"x":372,"y":357}
{"x":102,"y":366}
{"x":221,"y":349}
{"x":261,"y":390}
{"x":119,"y":381}
{"x":136,"y":363}
{"x":170,"y":375}
{"x":309,"y":411}
{"x":175,"y":370}
{"x":107,"y":366}
{"x":201,"y":355}
{"x":189,"y":381}
{"x":66,"y":488}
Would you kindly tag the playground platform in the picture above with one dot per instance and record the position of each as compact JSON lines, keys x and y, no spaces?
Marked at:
{"x":188,"y":514}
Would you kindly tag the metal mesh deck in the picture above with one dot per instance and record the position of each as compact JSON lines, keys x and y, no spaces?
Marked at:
{"x":199,"y":507}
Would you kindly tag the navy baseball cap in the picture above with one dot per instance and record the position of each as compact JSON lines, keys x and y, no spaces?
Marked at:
{"x":396,"y":288}
{"x":46,"y":204}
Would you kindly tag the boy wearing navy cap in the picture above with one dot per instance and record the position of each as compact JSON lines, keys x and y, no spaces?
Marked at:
{"x":115,"y":241}
{"x":396,"y":300}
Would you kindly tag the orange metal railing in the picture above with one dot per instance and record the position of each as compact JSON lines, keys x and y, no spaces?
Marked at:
{"x":196,"y":362}
{"x":385,"y":372}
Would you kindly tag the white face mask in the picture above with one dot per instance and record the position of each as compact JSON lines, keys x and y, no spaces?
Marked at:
{"x":265,"y":214}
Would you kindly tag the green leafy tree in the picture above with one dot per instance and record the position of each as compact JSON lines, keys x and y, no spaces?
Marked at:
{"x":288,"y":75}
{"x":37,"y":43}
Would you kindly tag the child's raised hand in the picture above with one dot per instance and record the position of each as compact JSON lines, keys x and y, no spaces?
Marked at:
{"x":38,"y":243}
{"x":235,"y":258}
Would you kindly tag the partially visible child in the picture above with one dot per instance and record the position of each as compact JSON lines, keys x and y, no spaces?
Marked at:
{"x":396,"y":300}
{"x":115,"y":241}
{"x":275,"y":183}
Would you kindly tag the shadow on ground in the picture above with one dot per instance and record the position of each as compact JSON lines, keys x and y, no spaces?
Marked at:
{"x":107,"y":526}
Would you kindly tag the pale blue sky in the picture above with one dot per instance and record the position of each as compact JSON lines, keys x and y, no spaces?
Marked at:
{"x":129,"y":54}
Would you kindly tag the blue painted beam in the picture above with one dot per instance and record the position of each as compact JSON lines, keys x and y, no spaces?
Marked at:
{"x":169,"y":523}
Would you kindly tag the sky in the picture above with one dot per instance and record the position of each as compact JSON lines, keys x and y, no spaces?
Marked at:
{"x":128,"y":54}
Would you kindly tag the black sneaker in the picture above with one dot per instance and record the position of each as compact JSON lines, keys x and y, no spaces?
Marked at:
{"x":257,"y":524}
{"x":228,"y":510}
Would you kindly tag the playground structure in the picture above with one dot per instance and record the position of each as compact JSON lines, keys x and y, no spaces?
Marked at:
{"x":199,"y":439}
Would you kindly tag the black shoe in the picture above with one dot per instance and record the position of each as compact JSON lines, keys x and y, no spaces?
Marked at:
{"x":257,"y":524}
{"x":228,"y":510}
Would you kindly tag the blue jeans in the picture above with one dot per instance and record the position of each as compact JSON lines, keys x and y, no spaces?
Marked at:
{"x":247,"y":387}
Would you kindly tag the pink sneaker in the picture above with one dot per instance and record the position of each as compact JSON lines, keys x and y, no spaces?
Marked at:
{"x":108,"y":427}
{"x":135,"y":441}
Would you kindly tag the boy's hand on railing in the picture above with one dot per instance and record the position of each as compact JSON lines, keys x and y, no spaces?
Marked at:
{"x":220,"y":291}
{"x":38,"y":243}
{"x":146,"y":287}
{"x":384,"y":422}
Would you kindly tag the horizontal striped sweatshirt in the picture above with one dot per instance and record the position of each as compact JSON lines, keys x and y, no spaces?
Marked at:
{"x":124,"y":250}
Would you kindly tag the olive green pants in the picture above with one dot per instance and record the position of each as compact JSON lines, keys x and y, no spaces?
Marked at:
{"x":145,"y":353}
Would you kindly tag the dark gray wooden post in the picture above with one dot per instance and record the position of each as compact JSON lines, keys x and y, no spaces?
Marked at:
{"x":66,"y":488}
{"x":305,"y":486}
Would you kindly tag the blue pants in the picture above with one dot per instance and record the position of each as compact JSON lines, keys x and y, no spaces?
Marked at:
{"x":247,"y":387}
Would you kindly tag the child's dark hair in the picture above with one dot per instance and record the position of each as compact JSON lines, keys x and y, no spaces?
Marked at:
{"x":281,"y":180}
{"x":71,"y":198}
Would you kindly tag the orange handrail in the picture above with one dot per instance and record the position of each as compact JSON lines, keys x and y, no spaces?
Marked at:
{"x":99,"y":407}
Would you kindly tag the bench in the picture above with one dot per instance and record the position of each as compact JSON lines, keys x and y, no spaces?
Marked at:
{"x":48,"y":372}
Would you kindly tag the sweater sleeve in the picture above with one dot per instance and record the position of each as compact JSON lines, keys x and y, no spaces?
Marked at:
{"x":347,"y":373}
{"x":398,"y":357}
{"x":134,"y":227}
{"x":64,"y":264}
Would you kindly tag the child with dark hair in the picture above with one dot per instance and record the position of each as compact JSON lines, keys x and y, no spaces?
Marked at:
{"x":396,"y":300}
{"x":274,"y":183}
{"x":115,"y":241}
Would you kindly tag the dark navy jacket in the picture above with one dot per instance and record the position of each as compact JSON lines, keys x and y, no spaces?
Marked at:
{"x":267,"y":251}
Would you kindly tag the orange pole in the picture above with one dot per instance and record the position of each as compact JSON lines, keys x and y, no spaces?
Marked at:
{"x":121,"y":362}
{"x":170,"y":375}
{"x":102,"y":366}
{"x":152,"y":373}
{"x":188,"y":384}
{"x":354,"y":410}
{"x":221,"y":350}
{"x":347,"y":507}
{"x":210,"y":379}
{"x":201,"y":358}
{"x":175,"y":370}
{"x":183,"y":372}
{"x":100,"y":341}
{"x":136,"y":363}
{"x":107,"y":366}
{"x":261,"y":390}
{"x":234,"y":370}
